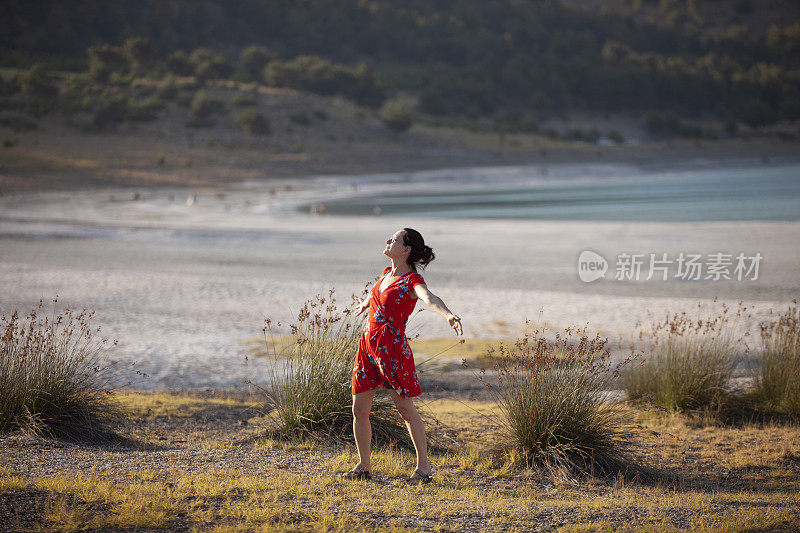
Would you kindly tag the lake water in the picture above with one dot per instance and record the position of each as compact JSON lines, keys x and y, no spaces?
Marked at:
{"x":769,"y":193}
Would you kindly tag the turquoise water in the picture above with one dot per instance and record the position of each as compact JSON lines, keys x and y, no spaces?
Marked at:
{"x":760,"y":193}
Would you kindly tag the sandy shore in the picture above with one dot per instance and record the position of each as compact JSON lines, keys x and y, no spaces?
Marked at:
{"x":180,"y":286}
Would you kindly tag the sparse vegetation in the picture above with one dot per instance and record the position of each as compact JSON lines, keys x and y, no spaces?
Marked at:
{"x":676,"y":57}
{"x":178,"y":63}
{"x":778,"y":381}
{"x":141,"y":53}
{"x":253,"y":59}
{"x":36,"y":82}
{"x":52,"y":378}
{"x":317,"y":75}
{"x":204,"y":106}
{"x":688,"y":364}
{"x":254,"y":122}
{"x":105,"y":60}
{"x":397,"y":116}
{"x":309,"y":393}
{"x":734,"y":479}
{"x":551,"y":396}
{"x":244,"y":100}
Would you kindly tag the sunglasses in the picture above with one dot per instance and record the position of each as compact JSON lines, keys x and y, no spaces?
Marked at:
{"x":391,"y":241}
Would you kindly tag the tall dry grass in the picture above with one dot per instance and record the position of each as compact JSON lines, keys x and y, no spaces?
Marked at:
{"x":52,"y":379}
{"x":553,"y":398}
{"x":308,"y":395}
{"x":778,"y":381}
{"x":689,"y":362}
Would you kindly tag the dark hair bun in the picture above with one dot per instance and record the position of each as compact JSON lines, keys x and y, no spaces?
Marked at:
{"x":427,"y":255}
{"x":420,"y":253}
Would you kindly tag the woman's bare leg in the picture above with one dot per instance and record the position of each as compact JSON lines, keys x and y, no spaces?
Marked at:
{"x":362,"y":430}
{"x":416,"y":428}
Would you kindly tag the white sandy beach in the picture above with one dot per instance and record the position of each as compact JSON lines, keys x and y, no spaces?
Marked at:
{"x":180,"y":287}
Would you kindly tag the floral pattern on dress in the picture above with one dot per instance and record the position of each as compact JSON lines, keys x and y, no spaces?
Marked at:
{"x":384,"y":356}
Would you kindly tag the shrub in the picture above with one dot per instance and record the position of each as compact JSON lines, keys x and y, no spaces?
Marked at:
{"x":778,"y":383}
{"x":216,"y":69}
{"x":141,"y":53}
{"x":366,"y":88}
{"x":397,"y":116}
{"x":147,"y":110}
{"x":51,"y":379}
{"x":169,"y":89}
{"x":208,"y":65}
{"x":203,"y":105}
{"x":36,"y":82}
{"x":105,"y":60}
{"x":10,"y":86}
{"x":688,"y":365}
{"x":253,"y":122}
{"x":309,"y":392}
{"x":201,"y":55}
{"x":244,"y":100}
{"x":552,"y":400}
{"x":179,"y":63}
{"x":317,"y":75}
{"x":253,"y":59}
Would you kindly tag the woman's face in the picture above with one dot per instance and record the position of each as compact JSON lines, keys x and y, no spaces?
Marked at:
{"x":395,"y":248}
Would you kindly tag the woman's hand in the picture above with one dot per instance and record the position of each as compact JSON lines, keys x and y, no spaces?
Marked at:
{"x":455,"y":323}
{"x":362,"y":306}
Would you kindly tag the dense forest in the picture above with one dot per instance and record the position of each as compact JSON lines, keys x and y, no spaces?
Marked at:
{"x":515,"y":60}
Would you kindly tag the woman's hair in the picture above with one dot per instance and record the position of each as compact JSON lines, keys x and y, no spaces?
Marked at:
{"x":420,"y":254}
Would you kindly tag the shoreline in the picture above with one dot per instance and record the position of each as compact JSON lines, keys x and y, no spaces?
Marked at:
{"x":199,"y":279}
{"x":78,"y":160}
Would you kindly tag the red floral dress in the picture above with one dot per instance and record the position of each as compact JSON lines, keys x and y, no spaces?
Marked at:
{"x":384,"y":356}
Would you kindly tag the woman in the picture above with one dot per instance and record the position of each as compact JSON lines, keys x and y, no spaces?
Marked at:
{"x":384,"y":357}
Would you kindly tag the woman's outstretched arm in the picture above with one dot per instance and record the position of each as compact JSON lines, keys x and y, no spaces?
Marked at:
{"x":436,"y":303}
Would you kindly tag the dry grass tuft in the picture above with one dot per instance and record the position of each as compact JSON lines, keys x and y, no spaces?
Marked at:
{"x":52,"y":379}
{"x":309,"y":392}
{"x":689,"y":363}
{"x":552,"y":402}
{"x":778,"y":383}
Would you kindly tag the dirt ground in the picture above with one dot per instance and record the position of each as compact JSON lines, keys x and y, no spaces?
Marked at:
{"x":201,"y":462}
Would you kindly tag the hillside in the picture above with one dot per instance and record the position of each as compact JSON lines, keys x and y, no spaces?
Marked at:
{"x":519,"y":63}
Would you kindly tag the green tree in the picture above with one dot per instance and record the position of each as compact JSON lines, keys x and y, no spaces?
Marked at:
{"x":253,"y":59}
{"x":180,"y":64}
{"x":397,"y":116}
{"x":252,"y":121}
{"x":204,"y":105}
{"x":36,"y":82}
{"x":208,"y":65}
{"x":104,"y":60}
{"x":141,"y":52}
